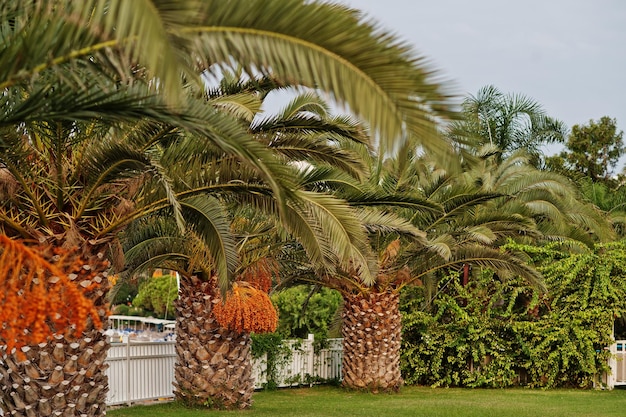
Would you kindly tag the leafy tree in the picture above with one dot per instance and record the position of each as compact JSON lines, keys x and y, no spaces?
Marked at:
{"x":123,"y":292}
{"x":592,"y":151}
{"x":157,"y":294}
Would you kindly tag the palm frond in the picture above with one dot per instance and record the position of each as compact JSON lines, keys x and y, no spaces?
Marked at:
{"x":382,"y":223}
{"x":503,"y":262}
{"x":379,"y":77}
{"x":306,"y":102}
{"x":209,"y":220}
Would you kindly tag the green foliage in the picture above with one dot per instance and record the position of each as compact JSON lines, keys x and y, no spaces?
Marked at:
{"x":137,"y":312}
{"x":498,"y":333}
{"x":593,"y":150}
{"x":121,"y":309}
{"x":157,"y":295}
{"x":304,"y":309}
{"x":270,"y":344}
{"x":123,"y":292}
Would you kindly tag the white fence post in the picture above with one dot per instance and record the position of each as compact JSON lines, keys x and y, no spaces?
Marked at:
{"x":611,"y":376}
{"x":310,"y":359}
{"x":128,"y":398}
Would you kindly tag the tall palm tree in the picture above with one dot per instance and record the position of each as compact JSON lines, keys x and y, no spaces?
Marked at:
{"x":386,"y":207}
{"x":440,"y":243}
{"x":88,"y":61}
{"x":464,"y":217}
{"x":214,"y":364}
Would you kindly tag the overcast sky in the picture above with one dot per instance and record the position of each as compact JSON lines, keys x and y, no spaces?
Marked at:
{"x":568,"y":55}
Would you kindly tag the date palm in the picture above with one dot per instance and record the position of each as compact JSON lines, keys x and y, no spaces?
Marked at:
{"x":549,"y":199}
{"x":87,"y":63}
{"x":464,"y":219}
{"x":214,"y":364}
{"x":371,"y":318}
{"x":240,"y":197}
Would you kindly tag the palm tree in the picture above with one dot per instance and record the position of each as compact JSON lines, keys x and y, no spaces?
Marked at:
{"x":213,"y":362}
{"x":550,"y":200}
{"x":387,"y":207}
{"x":441,"y":241}
{"x":510,"y":122}
{"x":82,"y":183}
{"x":75,"y":74}
{"x":214,"y":367}
{"x":465,"y":215}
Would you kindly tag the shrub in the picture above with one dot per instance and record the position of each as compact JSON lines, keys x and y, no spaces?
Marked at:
{"x":301,"y":312}
{"x":121,"y":309}
{"x":498,"y":333}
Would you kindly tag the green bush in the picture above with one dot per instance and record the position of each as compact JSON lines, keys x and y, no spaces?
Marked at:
{"x":121,"y":309}
{"x":138,"y":312}
{"x":123,"y":292}
{"x":301,"y":312}
{"x":270,"y":344}
{"x":498,"y":333}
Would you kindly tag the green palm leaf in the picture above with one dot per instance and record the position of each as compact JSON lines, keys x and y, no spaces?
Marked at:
{"x":211,"y":224}
{"x":379,"y":77}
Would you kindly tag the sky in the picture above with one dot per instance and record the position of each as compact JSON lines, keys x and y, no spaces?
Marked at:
{"x":568,"y":55}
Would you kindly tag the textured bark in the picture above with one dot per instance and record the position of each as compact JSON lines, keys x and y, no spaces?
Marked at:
{"x":214,"y":365}
{"x":371,"y":346}
{"x":63,"y":377}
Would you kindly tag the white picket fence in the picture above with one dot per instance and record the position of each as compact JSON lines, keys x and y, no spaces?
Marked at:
{"x":140,"y":371}
{"x":303,"y":366}
{"x":617,"y":363}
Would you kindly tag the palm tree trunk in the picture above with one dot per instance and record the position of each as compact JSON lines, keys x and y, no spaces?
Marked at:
{"x":214,"y":365}
{"x":64,"y":376}
{"x":371,"y":331}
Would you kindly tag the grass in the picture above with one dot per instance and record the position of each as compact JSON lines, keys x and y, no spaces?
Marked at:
{"x":412,"y":401}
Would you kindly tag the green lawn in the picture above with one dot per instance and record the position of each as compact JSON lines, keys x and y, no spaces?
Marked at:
{"x":412,"y":401}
